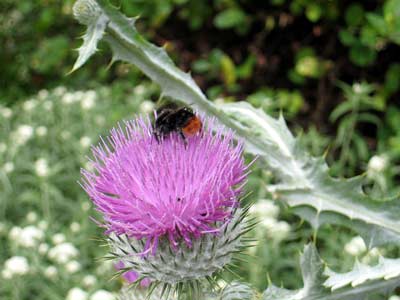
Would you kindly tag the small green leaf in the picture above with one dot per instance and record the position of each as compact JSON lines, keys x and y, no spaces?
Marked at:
{"x":392,"y":78}
{"x":377,"y":22}
{"x":362,"y":55}
{"x":346,"y":37}
{"x":228,"y":71}
{"x":230,"y":18}
{"x":354,"y":14}
{"x":314,"y":12}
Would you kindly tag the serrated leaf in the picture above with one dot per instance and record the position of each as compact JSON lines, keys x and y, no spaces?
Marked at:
{"x":305,"y":183}
{"x":355,"y":285}
{"x":386,"y":269}
{"x":93,"y":35}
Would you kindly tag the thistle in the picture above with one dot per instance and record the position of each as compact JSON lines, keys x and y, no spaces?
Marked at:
{"x":171,"y":208}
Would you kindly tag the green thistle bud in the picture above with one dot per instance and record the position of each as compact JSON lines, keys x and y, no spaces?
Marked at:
{"x":86,"y":11}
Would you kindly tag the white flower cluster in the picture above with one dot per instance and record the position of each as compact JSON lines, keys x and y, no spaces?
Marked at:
{"x":15,"y":266}
{"x":6,"y":112}
{"x":22,"y":134}
{"x":27,"y":237}
{"x":267,"y":213}
{"x":79,"y":294}
{"x":29,"y":105}
{"x":41,"y":167}
{"x":87,"y":99}
{"x":63,"y":253}
{"x":8,"y":167}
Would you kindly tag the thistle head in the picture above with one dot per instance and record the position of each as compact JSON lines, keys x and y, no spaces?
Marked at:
{"x":170,"y":208}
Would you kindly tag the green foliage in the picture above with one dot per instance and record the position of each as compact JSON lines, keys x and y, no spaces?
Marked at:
{"x":231,"y":18}
{"x":362,"y":103}
{"x":240,"y":43}
{"x":304,"y":181}
{"x":364,"y":280}
{"x":308,"y":65}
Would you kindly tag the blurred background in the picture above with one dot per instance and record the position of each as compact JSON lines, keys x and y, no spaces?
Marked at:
{"x":332,"y":67}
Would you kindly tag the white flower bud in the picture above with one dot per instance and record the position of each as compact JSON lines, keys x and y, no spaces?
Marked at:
{"x":75,"y":227}
{"x":41,"y":131}
{"x":377,"y":163}
{"x":146,"y":107}
{"x":50,"y":272}
{"x":102,"y":295}
{"x":43,"y":94}
{"x":43,"y":248}
{"x":76,"y":294}
{"x":72,"y":266}
{"x":14,"y":233}
{"x":6,"y":112}
{"x":139,"y":90}
{"x":356,"y":246}
{"x":43,"y":225}
{"x":58,"y":238}
{"x":31,"y":217}
{"x":17,"y":265}
{"x":85,"y":141}
{"x":41,"y":167}
{"x":264,"y":209}
{"x":22,"y":134}
{"x":8,"y":167}
{"x":89,"y":280}
{"x":29,"y":105}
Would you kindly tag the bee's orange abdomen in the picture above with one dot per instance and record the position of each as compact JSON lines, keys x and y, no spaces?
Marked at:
{"x":192,"y":127}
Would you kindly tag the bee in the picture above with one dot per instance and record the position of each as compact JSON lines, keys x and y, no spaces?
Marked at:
{"x":172,"y":118}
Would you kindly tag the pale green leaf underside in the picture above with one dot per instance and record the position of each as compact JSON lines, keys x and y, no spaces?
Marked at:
{"x":93,"y":35}
{"x":328,"y":285}
{"x":386,"y":269}
{"x":304,"y":181}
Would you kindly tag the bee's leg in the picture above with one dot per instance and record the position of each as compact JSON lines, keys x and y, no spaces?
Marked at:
{"x":183,"y":138}
{"x":157,"y":136}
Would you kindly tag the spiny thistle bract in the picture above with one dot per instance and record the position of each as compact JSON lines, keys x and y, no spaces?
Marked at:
{"x":170,"y":208}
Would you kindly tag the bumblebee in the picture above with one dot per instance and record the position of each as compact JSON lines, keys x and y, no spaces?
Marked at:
{"x":172,"y":118}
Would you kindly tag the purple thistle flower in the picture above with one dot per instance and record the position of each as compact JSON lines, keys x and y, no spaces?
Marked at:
{"x":148,"y":190}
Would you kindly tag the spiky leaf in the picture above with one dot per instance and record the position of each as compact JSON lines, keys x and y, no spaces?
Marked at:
{"x":306,"y":184}
{"x":89,"y":13}
{"x":387,"y":269}
{"x":348,"y":286}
